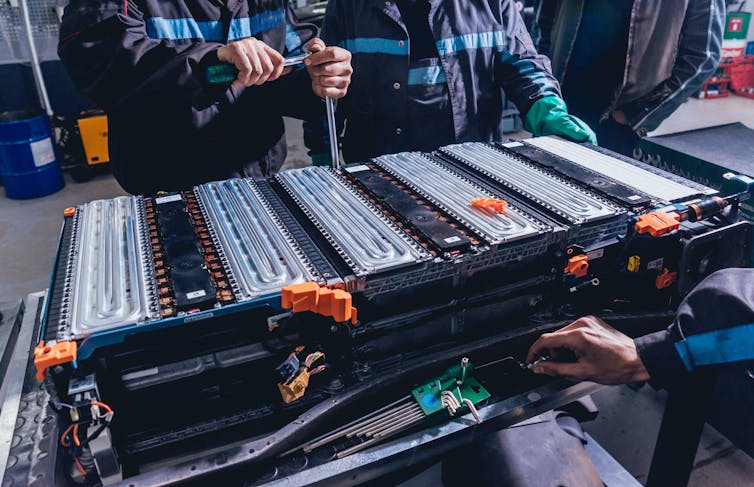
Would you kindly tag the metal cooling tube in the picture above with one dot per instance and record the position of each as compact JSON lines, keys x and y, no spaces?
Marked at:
{"x":454,"y":194}
{"x":260,"y":256}
{"x":578,"y":205}
{"x":365,"y":238}
{"x":109,"y":285}
{"x":636,"y":177}
{"x":327,"y":437}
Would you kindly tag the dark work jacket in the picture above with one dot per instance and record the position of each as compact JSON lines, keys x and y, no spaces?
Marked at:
{"x":673,"y":47}
{"x":144,"y":63}
{"x":483,"y":46}
{"x":714,"y":325}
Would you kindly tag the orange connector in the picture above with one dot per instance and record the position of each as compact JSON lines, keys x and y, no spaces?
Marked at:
{"x":577,"y":266}
{"x":658,"y":223}
{"x":491,"y":204}
{"x":666,"y":279}
{"x":69,"y":212}
{"x":46,"y":356}
{"x":309,"y":296}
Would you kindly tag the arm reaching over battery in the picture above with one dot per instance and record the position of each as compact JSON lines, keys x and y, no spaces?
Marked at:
{"x":714,"y":325}
{"x":597,"y":352}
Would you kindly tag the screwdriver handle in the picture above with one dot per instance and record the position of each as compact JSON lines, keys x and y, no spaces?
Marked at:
{"x":221,"y":73}
{"x":227,"y":73}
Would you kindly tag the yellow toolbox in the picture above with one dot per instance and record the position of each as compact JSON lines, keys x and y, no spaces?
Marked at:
{"x":93,"y":132}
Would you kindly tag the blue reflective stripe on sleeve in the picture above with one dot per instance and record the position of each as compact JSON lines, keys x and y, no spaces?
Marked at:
{"x":733,"y":344}
{"x":375,"y":45}
{"x":430,"y":75}
{"x":292,"y":39}
{"x":176,"y":29}
{"x":243,"y":27}
{"x":477,"y":40}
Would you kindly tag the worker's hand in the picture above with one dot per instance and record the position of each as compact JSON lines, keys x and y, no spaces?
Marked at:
{"x":257,"y":63}
{"x":330,"y":69}
{"x":602,"y":353}
{"x":549,"y":116}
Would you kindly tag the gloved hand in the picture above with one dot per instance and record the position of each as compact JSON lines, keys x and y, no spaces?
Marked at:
{"x":322,"y":160}
{"x":549,"y":116}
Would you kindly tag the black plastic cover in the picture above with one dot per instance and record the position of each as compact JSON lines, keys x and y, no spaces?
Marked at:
{"x":441,"y":234}
{"x":616,"y":191}
{"x":191,"y":281}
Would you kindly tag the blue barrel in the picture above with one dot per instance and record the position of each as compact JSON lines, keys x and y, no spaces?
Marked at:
{"x":28,"y":164}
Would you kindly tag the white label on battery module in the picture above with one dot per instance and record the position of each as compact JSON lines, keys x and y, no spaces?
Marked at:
{"x":358,"y":168}
{"x":595,"y":254}
{"x":655,"y":264}
{"x":634,"y":197}
{"x":511,"y":145}
{"x":196,"y":294}
{"x":168,"y":199}
{"x":452,"y":239}
{"x":42,"y":152}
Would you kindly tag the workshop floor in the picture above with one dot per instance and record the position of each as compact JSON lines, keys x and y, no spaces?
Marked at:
{"x":629,"y":420}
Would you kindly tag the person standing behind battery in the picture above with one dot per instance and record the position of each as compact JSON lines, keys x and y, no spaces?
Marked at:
{"x":170,"y":128}
{"x":626,"y":65}
{"x":430,"y":73}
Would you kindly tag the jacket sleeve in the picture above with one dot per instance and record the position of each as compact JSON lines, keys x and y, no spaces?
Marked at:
{"x":316,"y":137}
{"x":544,"y":17}
{"x":714,"y":325}
{"x":525,"y":75}
{"x":696,"y":60}
{"x":109,"y":56}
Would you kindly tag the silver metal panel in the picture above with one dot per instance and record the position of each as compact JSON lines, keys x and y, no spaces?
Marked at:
{"x":364,"y":237}
{"x":645,"y":181}
{"x":554,"y":193}
{"x":453,"y":194}
{"x":260,"y":257}
{"x":112,"y":286}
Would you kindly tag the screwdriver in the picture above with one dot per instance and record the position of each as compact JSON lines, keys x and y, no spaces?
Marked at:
{"x":227,"y":73}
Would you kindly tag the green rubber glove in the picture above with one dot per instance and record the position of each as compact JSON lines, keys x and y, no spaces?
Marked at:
{"x":322,"y":160}
{"x":549,"y":116}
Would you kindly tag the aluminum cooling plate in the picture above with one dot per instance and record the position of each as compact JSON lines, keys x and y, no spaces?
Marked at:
{"x":453,"y":194}
{"x":552,"y":192}
{"x":362,"y":235}
{"x":111,"y":277}
{"x":258,"y":254}
{"x":648,"y":182}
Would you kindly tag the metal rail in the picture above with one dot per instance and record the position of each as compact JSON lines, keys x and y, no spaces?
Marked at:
{"x":552,"y":192}
{"x":453,"y":194}
{"x":111,"y":287}
{"x":636,"y":177}
{"x":363,"y":236}
{"x":260,"y":258}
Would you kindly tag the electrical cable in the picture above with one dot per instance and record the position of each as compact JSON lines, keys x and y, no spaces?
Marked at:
{"x":80,"y":467}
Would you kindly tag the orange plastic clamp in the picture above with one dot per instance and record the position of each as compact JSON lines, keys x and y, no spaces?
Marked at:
{"x":666,"y":279}
{"x":69,"y":212}
{"x":658,"y":223}
{"x":46,"y":356}
{"x":491,"y":204}
{"x":309,"y":296}
{"x":577,"y":266}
